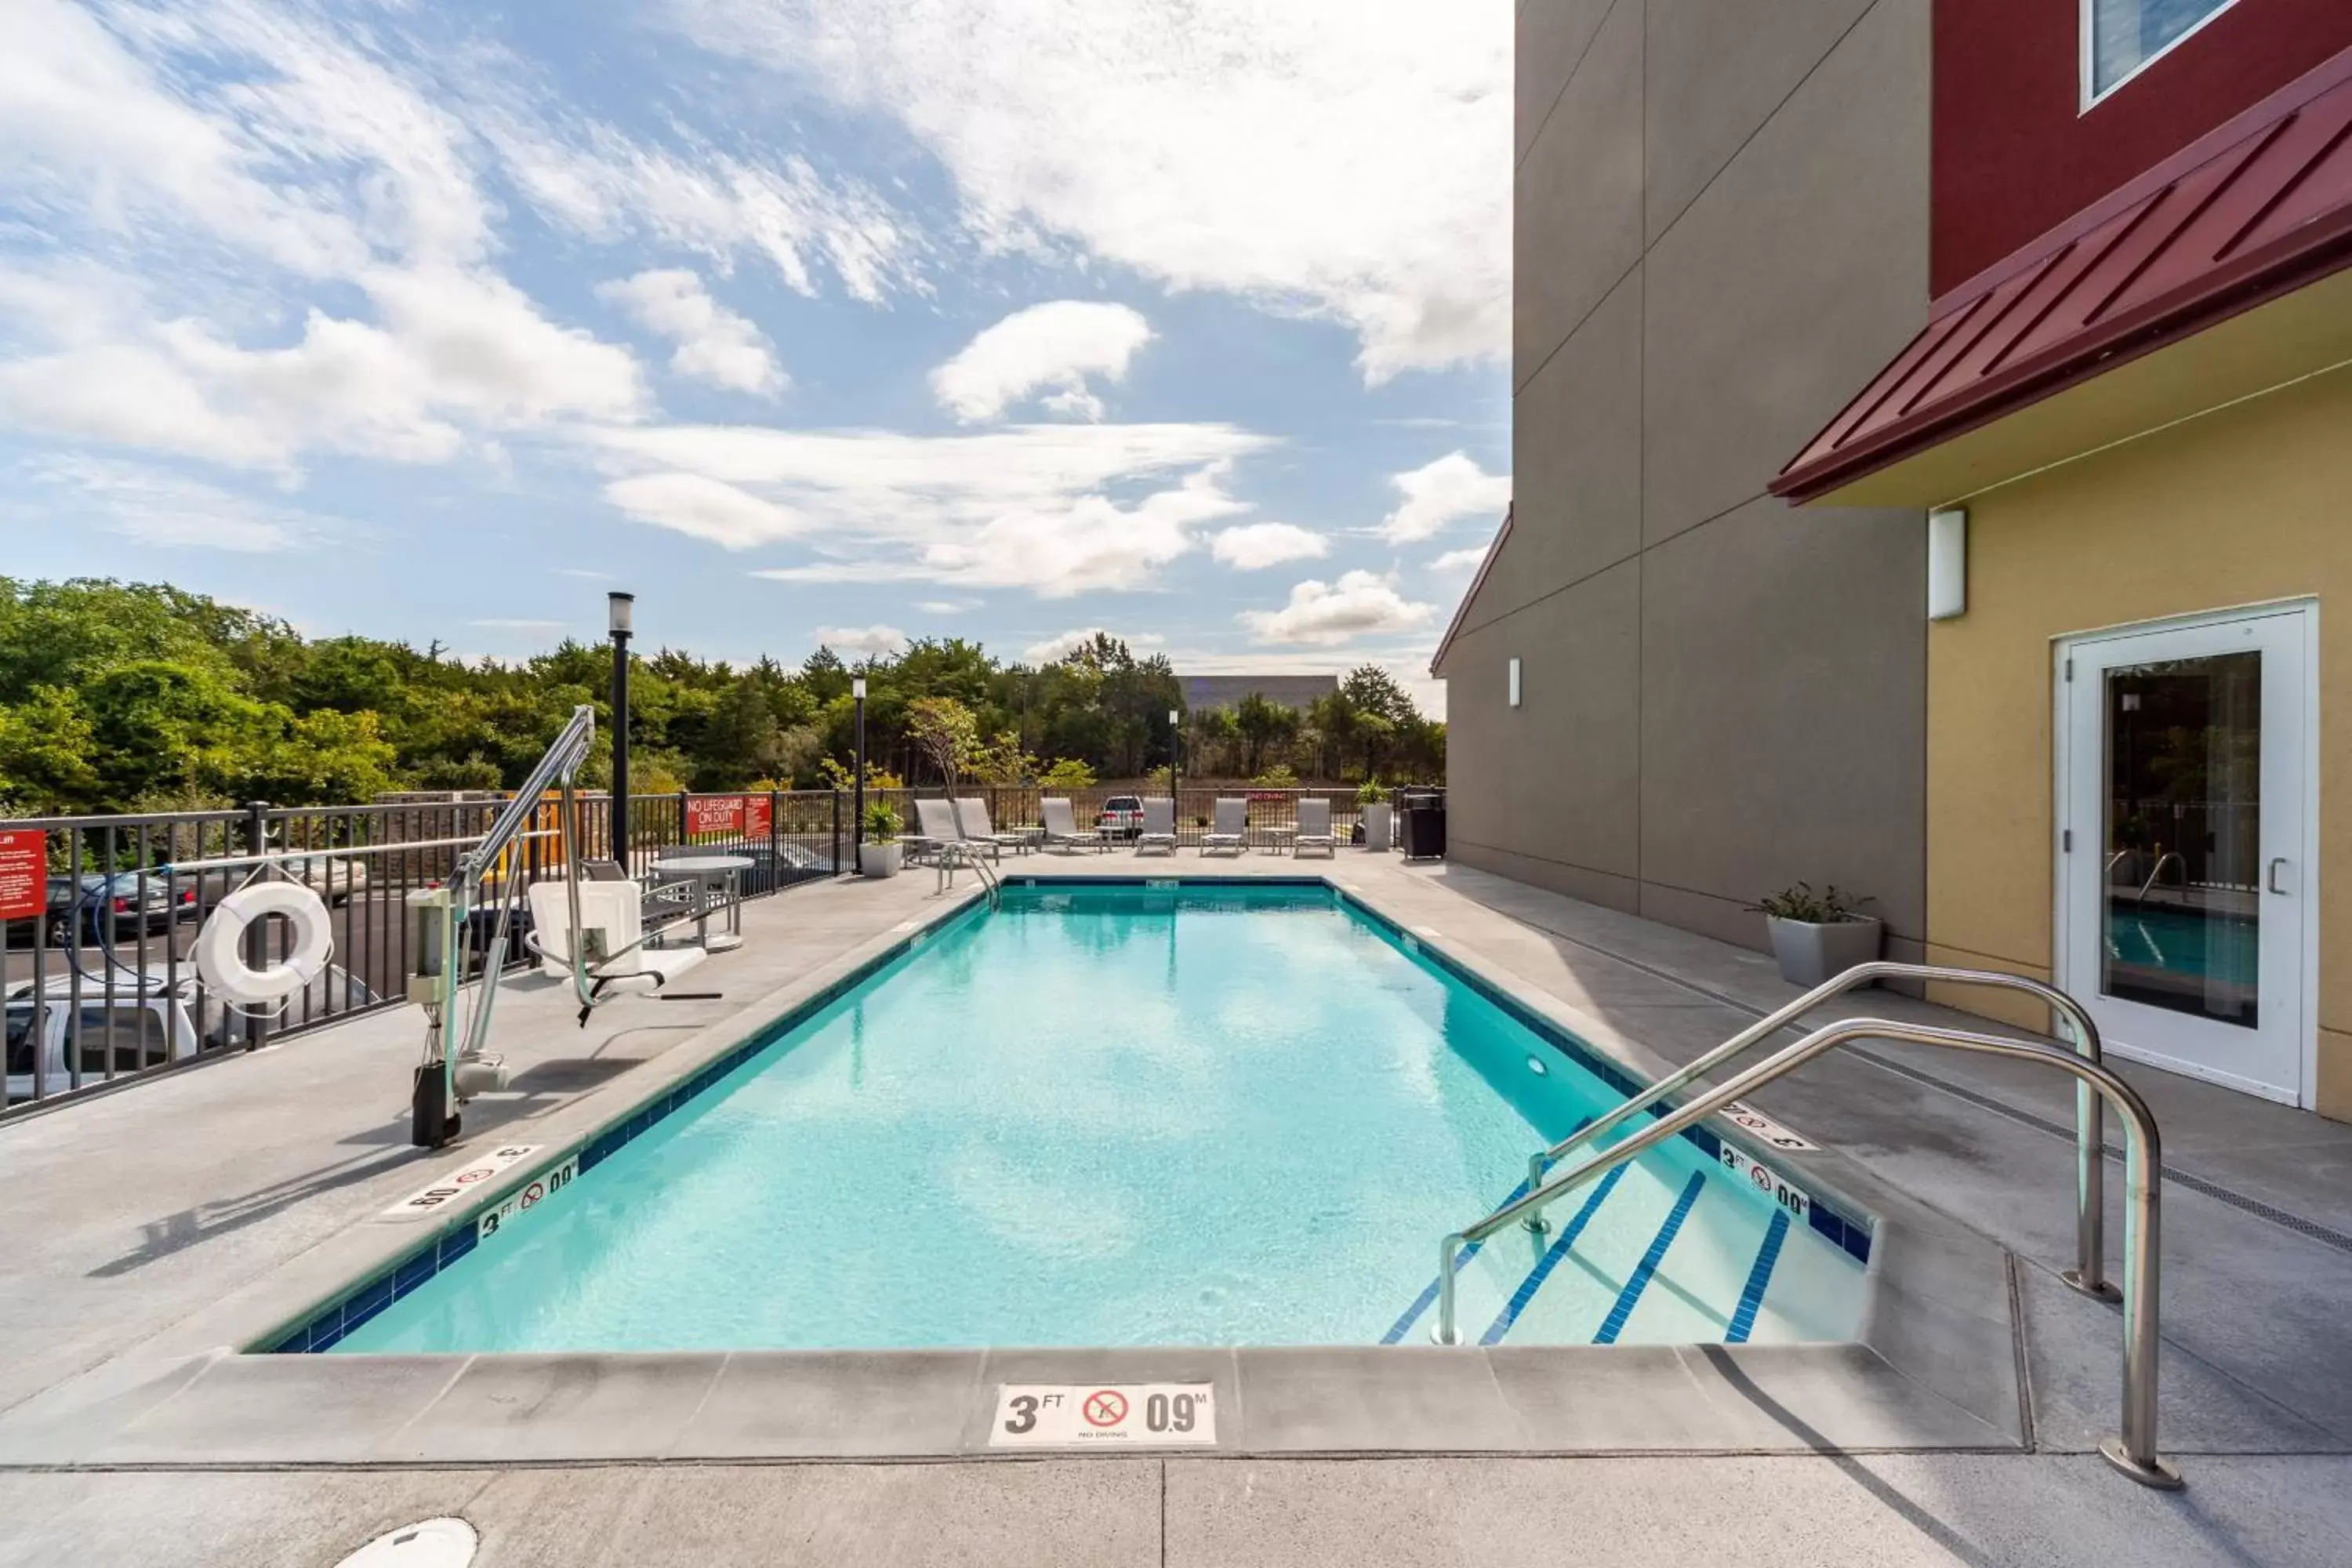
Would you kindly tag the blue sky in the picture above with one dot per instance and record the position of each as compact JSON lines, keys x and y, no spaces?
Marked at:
{"x":839,"y":320}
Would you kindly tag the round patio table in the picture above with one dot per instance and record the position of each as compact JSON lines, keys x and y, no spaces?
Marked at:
{"x":718,"y":872}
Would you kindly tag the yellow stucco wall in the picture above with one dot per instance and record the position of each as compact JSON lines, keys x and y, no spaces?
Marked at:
{"x":2250,"y":503}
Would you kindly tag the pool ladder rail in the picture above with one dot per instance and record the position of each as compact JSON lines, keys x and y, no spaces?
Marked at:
{"x":953,"y":855}
{"x":2134,"y":1450}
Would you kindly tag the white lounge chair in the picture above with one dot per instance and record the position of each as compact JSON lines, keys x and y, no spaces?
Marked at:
{"x":1158,"y":826}
{"x":1061,"y":827}
{"x":943,"y":836}
{"x":1315,"y":828}
{"x":971,"y":815}
{"x":1230,"y":830}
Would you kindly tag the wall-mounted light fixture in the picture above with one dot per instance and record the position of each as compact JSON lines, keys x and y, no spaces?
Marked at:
{"x":1515,"y":683}
{"x":1948,"y":563}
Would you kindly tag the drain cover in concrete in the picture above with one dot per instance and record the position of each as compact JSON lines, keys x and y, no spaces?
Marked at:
{"x":434,"y":1543}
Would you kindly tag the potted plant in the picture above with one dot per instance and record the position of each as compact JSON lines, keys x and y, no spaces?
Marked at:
{"x":879,"y":856}
{"x":1372,"y":807}
{"x":1816,"y":935}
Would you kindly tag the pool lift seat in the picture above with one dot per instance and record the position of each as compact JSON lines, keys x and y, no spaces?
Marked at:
{"x":456,"y":1067}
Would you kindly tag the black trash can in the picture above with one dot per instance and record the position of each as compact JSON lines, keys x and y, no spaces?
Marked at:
{"x":1423,"y":814}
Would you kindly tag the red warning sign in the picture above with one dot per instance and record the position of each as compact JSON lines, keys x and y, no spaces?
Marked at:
{"x":23,"y":873}
{"x":759,"y":816}
{"x":1105,"y":1408}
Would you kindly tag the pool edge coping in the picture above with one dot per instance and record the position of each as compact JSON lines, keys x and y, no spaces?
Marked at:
{"x":1936,"y":1311}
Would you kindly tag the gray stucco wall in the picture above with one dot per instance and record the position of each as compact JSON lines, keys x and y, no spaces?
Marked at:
{"x":1721,"y":234}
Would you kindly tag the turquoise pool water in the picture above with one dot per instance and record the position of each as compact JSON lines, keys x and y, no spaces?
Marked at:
{"x":1124,"y":1115}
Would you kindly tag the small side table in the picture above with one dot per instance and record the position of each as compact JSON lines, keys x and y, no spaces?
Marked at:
{"x":718,"y":873}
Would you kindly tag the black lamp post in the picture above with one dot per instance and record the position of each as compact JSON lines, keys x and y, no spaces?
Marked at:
{"x":857,"y":837}
{"x":1175,"y":741}
{"x":617,"y":608}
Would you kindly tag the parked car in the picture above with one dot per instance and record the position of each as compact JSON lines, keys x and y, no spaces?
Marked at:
{"x":110,"y":905}
{"x":1121,"y":817}
{"x":144,"y":1023}
{"x":333,"y":877}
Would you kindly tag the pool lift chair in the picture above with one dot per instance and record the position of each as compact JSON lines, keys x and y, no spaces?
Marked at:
{"x":605,"y":956}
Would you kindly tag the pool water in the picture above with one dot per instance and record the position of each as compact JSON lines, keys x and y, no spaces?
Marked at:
{"x":1126,"y":1115}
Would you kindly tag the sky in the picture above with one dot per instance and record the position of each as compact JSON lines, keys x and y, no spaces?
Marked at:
{"x":805,"y":321}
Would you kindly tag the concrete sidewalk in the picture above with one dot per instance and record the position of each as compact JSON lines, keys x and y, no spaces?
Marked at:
{"x":135,"y":1212}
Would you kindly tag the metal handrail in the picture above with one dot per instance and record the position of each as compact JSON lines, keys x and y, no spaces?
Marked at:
{"x":2133,"y":1450}
{"x":2089,"y":1273}
{"x":2157,"y":870}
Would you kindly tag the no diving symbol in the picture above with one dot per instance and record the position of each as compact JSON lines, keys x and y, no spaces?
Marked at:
{"x":534,"y":1192}
{"x":1105,"y":1408}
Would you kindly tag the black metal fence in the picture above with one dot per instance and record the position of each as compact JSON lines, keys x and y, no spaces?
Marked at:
{"x":97,"y":950}
{"x":1271,"y":816}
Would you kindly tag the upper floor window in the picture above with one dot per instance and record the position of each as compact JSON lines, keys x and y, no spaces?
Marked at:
{"x":2120,"y":36}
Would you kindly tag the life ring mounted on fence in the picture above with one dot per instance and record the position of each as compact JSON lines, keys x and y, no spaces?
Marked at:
{"x":220,"y":956}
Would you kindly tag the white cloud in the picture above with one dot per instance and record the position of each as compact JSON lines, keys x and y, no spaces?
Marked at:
{"x":1253,"y":546}
{"x":1462,"y":560}
{"x":454,"y":345}
{"x":714,"y":343}
{"x":1027,"y":506}
{"x":1347,"y":160}
{"x":156,"y":507}
{"x":1442,"y":492}
{"x":704,"y":508}
{"x":1069,"y":642}
{"x":512,"y":624}
{"x":1326,"y":614}
{"x":946,"y":607}
{"x":878,"y":640}
{"x":608,"y":186}
{"x":1050,"y":346}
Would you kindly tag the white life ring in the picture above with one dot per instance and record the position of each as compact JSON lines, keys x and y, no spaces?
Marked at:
{"x":220,"y":957}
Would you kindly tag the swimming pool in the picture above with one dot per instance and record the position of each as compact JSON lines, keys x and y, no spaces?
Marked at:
{"x":1126,"y":1114}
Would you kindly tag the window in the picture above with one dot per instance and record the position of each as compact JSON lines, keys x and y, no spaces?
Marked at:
{"x":2120,"y":36}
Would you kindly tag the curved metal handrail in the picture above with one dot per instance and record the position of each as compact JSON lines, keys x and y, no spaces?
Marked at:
{"x":2149,"y":885}
{"x":2089,"y":1273}
{"x":2133,"y":1450}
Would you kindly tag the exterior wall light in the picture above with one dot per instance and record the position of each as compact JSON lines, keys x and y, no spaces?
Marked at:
{"x":1948,"y":563}
{"x":1515,"y":683}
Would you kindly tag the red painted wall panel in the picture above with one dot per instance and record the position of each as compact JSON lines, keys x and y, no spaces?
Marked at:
{"x":2014,"y":155}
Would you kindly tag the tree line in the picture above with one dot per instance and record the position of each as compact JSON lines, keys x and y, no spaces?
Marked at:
{"x":118,"y":697}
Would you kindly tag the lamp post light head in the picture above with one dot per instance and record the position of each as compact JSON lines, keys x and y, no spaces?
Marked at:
{"x":857,"y":687}
{"x":1171,"y":716}
{"x":617,"y":608}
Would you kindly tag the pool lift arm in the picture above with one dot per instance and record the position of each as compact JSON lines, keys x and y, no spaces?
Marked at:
{"x":455,"y":1068}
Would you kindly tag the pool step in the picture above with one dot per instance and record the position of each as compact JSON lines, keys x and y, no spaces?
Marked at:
{"x":1645,"y":1256}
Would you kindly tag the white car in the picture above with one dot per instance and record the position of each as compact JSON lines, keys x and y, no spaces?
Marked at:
{"x":145,"y":1024}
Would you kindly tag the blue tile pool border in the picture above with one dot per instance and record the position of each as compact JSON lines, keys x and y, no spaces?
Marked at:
{"x":323,"y":1329}
{"x":412,"y":1269}
{"x":1836,"y":1223}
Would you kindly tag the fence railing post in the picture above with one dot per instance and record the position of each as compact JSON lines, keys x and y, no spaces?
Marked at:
{"x":257,"y":935}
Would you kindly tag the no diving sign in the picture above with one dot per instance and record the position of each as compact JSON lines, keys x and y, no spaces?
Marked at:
{"x":1081,"y":1414}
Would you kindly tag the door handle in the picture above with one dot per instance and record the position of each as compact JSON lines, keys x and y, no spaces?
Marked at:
{"x":2276,"y":863}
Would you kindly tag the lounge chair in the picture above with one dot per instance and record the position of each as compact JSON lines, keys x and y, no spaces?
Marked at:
{"x":1061,"y":827}
{"x":1231,"y":828}
{"x":1158,"y":826}
{"x":942,"y":837}
{"x":971,"y":815}
{"x":1315,"y":828}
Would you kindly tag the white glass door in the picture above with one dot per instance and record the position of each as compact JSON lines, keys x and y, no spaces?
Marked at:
{"x":2183,"y":756}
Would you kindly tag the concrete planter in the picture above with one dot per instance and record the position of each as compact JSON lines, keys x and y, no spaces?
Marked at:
{"x":1378,"y":819}
{"x":878,"y":861}
{"x":1810,"y":953}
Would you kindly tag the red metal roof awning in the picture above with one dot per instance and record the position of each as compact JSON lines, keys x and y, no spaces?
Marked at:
{"x":2259,"y":208}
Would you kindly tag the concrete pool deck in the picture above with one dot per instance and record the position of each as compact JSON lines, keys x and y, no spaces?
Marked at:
{"x":260,"y":1177}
